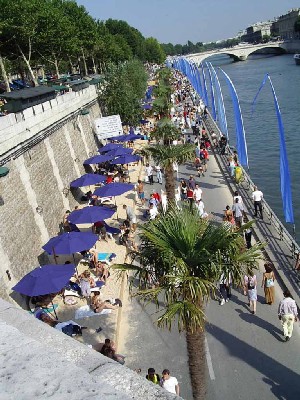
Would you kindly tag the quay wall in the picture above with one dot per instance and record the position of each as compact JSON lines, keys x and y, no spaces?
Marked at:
{"x":35,"y":193}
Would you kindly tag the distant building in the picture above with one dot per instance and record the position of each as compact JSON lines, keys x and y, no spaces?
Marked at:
{"x":285,"y":25}
{"x":256,"y":32}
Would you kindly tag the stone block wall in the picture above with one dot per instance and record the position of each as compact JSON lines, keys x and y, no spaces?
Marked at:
{"x":37,"y":180}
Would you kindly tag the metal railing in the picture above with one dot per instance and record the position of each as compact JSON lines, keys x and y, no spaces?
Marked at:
{"x":248,"y":184}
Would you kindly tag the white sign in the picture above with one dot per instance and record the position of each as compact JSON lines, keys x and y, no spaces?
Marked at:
{"x":108,"y":126}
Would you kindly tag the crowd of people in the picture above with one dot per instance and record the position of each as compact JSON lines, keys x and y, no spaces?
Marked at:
{"x":188,"y":113}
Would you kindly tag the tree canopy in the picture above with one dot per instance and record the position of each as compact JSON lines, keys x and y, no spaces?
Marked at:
{"x":60,"y":34}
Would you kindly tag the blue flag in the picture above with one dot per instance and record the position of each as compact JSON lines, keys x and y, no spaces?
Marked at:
{"x":205,"y":97}
{"x":285,"y":179}
{"x":221,"y":113}
{"x":212,"y":94}
{"x":241,"y":144}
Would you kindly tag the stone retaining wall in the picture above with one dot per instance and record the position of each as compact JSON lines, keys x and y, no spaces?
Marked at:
{"x":37,"y":178}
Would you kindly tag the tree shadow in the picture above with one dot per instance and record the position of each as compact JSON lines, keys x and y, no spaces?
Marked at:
{"x":254,"y":319}
{"x":283,"y":379}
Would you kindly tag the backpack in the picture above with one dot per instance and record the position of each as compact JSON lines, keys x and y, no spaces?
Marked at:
{"x":251,"y":285}
{"x":269,"y":282}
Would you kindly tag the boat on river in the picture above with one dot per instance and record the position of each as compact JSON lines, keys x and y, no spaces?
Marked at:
{"x":297,"y":58}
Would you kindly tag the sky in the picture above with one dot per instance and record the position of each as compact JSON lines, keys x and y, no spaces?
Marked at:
{"x":177,"y":21}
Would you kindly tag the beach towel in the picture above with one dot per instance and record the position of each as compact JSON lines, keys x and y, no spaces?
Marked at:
{"x":85,"y":311}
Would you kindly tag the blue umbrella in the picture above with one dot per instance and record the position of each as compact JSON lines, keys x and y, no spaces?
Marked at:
{"x":147,"y":106}
{"x":134,"y":136}
{"x":87,"y":180}
{"x":113,"y":189}
{"x":144,"y":121}
{"x":90,"y":215}
{"x":98,"y":159}
{"x":128,"y":158}
{"x":45,"y":280}
{"x":71,"y":242}
{"x":119,"y":152}
{"x":109,"y":147}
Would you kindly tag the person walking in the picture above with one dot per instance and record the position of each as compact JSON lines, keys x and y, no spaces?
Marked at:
{"x":287,"y":313}
{"x":225,"y":289}
{"x":141,"y":191}
{"x":130,"y":216}
{"x":257,"y":196}
{"x":158,"y":174}
{"x":238,"y":212}
{"x":149,"y":173}
{"x":250,"y":283}
{"x":268,"y":284}
{"x":169,"y":383}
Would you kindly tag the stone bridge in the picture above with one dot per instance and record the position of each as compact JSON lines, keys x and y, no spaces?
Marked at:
{"x":240,"y":52}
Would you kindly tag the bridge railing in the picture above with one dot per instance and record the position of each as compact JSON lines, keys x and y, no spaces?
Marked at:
{"x":247,"y":182}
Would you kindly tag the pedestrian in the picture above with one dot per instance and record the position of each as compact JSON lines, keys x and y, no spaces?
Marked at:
{"x":131,"y":217}
{"x":200,"y":207}
{"x":158,"y":174}
{"x":238,"y":212}
{"x":183,"y":190}
{"x":191,"y":183}
{"x":169,"y":383}
{"x":141,"y":192}
{"x":268,"y":284}
{"x":257,"y":196}
{"x":248,"y":233}
{"x":225,"y":288}
{"x":153,"y":377}
{"x":250,"y":282}
{"x":237,"y":196}
{"x":190,"y":197}
{"x":287,"y":313}
{"x":231,"y":165}
{"x":197,"y":193}
{"x":149,"y":173}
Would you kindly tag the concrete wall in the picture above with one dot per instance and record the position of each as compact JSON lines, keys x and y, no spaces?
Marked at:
{"x":37,"y":179}
{"x":38,"y":362}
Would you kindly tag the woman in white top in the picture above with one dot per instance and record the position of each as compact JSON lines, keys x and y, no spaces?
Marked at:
{"x":250,"y":283}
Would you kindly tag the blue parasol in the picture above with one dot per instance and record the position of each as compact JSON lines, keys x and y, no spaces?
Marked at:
{"x":90,"y":214}
{"x":87,"y":180}
{"x":109,"y":147}
{"x":98,"y":159}
{"x":45,"y":280}
{"x":113,"y":189}
{"x":128,"y":158}
{"x":71,"y":242}
{"x":119,"y":152}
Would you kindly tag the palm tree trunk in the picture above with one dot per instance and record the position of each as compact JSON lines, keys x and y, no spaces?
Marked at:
{"x":197,"y":362}
{"x":170,"y":182}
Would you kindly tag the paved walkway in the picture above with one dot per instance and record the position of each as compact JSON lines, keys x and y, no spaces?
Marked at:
{"x":247,"y":356}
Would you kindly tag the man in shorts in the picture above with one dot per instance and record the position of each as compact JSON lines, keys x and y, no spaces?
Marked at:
{"x":141,"y":192}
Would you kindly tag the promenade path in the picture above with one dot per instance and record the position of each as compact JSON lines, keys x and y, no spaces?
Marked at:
{"x":247,"y":357}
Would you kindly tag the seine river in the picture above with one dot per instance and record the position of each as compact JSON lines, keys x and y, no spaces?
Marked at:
{"x":261,"y":128}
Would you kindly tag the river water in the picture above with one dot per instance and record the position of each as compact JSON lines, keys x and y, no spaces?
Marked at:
{"x":261,"y":128}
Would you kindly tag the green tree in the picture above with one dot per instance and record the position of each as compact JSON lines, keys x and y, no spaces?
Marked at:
{"x":184,"y":256}
{"x":125,"y":84}
{"x":165,"y":156}
{"x":153,"y":51}
{"x":166,"y":131}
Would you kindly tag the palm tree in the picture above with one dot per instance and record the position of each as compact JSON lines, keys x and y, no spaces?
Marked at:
{"x":166,"y":130}
{"x":165,"y":156}
{"x":183,"y":256}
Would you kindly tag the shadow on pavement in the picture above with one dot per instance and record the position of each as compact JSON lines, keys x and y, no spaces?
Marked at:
{"x":254,"y":319}
{"x":284,"y":381}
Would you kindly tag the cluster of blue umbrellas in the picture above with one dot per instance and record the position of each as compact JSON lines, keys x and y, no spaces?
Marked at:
{"x":52,"y":278}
